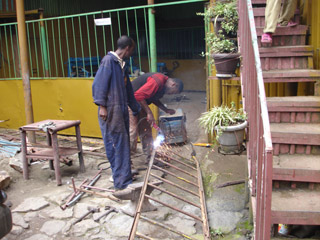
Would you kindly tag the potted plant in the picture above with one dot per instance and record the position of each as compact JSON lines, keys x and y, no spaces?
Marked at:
{"x":228,"y":124}
{"x":224,"y":53}
{"x":222,"y":43}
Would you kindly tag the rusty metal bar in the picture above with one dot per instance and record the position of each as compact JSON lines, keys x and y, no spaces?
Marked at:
{"x":177,"y":168}
{"x":141,"y":199}
{"x":98,"y":188}
{"x":174,"y":175}
{"x":167,"y":227}
{"x":173,"y":184}
{"x":143,"y":236}
{"x":177,"y":154}
{"x":176,"y":160}
{"x":205,"y":226}
{"x":172,"y":207}
{"x":173,"y":195}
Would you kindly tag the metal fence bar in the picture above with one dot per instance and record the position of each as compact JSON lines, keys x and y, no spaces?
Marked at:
{"x":147,"y":36}
{"x":60,"y":48}
{"x":75,"y":47}
{"x":54,"y":48}
{"x":67,"y":41}
{"x":128,"y":33}
{"x":111,"y":32}
{"x":119,"y":23}
{"x":18,"y":46}
{"x":137,"y":33}
{"x":48,"y":48}
{"x":2,"y":57}
{"x":81,"y":42}
{"x":95,"y":34}
{"x":89,"y":45}
{"x":36,"y":49}
{"x":41,"y":49}
{"x":13,"y":58}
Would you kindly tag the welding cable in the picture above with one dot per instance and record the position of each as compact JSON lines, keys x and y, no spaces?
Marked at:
{"x":104,"y":162}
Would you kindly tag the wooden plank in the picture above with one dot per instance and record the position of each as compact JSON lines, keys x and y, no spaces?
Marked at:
{"x":294,"y":102}
{"x":295,"y":207}
{"x":296,"y":167}
{"x":282,"y":31}
{"x":295,"y":133}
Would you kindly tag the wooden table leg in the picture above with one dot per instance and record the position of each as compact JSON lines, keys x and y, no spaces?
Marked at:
{"x":56,"y":160}
{"x":24,"y":154}
{"x":79,"y":144}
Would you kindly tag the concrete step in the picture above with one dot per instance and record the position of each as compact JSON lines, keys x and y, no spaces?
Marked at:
{"x":295,"y":206}
{"x":286,"y":36}
{"x":293,"y":57}
{"x":297,"y":168}
{"x":296,"y":109}
{"x":295,"y":138}
{"x":259,"y":16}
{"x":291,"y":75}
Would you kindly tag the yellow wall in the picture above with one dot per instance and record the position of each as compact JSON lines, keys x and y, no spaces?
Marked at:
{"x":68,"y":99}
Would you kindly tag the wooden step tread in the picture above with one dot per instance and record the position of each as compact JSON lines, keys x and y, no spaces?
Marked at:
{"x":296,"y":133}
{"x":260,"y":12}
{"x":289,"y":51}
{"x":282,"y":31}
{"x":294,"y":101}
{"x":295,"y":206}
{"x":298,"y":128}
{"x":291,"y":75}
{"x":297,"y":161}
{"x":296,"y":167}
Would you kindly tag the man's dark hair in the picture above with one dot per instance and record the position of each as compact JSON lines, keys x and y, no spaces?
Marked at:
{"x":124,"y":41}
{"x":179,"y":84}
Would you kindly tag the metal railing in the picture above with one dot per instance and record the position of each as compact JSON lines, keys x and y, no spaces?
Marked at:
{"x":72,"y":46}
{"x":259,"y":148}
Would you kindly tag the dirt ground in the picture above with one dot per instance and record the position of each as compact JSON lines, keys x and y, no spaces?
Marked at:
{"x":216,"y":168}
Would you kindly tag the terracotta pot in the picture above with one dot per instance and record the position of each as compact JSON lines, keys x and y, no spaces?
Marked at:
{"x":226,"y":63}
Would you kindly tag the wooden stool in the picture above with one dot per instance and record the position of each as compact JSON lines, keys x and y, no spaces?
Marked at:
{"x":53,"y":152}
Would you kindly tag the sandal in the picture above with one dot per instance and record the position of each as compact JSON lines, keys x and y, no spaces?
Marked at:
{"x":266,"y":38}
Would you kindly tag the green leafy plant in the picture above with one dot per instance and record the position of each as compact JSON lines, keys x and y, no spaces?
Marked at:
{"x":219,"y":117}
{"x":216,"y":233}
{"x":227,"y":10}
{"x":220,"y":44}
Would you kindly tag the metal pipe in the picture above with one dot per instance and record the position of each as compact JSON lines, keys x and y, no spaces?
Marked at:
{"x":92,"y":182}
{"x":176,"y":160}
{"x":174,"y":175}
{"x":177,"y":168}
{"x":25,"y":66}
{"x":174,"y":208}
{"x":173,"y":195}
{"x":173,"y":184}
{"x":153,"y":47}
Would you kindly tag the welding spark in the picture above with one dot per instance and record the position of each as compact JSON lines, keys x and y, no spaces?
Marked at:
{"x":158,"y":141}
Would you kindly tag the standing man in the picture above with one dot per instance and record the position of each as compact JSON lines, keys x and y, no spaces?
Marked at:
{"x":112,"y":92}
{"x":149,"y":88}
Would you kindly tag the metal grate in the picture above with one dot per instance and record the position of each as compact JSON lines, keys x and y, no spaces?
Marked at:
{"x":185,"y":184}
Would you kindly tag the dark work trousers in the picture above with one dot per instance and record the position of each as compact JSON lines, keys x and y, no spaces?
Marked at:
{"x":115,"y":134}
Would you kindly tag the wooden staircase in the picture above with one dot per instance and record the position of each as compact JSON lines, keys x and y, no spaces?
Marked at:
{"x":295,"y":124}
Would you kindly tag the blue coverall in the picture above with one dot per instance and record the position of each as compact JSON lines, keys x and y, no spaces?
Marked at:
{"x":112,"y":88}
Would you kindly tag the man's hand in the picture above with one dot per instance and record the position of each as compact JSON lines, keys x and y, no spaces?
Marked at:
{"x":103,"y":113}
{"x":150,"y":118}
{"x":171,"y":111}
